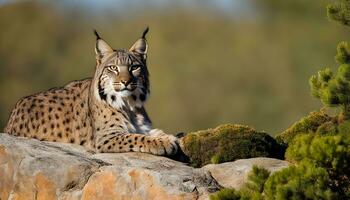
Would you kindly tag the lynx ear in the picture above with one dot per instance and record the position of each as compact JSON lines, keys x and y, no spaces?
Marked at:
{"x":102,"y":48}
{"x":140,"y":46}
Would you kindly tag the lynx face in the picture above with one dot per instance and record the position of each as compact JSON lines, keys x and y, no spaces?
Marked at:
{"x":122,"y":73}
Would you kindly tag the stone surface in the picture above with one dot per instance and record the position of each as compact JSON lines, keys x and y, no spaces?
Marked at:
{"x":30,"y":169}
{"x":235,"y":174}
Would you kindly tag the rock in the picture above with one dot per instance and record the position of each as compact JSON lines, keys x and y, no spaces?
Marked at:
{"x":235,"y":174}
{"x":31,"y":169}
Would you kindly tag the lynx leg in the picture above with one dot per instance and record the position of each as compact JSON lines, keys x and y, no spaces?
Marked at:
{"x":132,"y":142}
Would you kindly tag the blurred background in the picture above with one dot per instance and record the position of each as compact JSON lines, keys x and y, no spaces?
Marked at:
{"x":211,"y":62}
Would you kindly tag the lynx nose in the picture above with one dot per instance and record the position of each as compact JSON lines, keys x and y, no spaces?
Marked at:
{"x":126,"y":83}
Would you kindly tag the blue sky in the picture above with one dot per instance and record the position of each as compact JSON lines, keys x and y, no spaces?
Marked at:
{"x":100,"y":5}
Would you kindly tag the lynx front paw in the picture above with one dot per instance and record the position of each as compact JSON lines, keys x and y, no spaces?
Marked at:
{"x":164,"y":144}
{"x":156,"y":133}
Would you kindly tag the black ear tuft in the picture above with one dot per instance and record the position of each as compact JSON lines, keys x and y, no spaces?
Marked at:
{"x":101,"y":47}
{"x":97,"y":35}
{"x":145,"y":32}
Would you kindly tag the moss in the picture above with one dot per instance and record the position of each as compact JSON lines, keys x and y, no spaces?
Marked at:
{"x":308,"y":124}
{"x":228,"y":143}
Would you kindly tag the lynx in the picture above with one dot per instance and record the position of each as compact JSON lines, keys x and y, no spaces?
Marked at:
{"x":104,"y":113}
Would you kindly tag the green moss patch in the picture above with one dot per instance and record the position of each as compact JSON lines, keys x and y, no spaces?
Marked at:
{"x":308,"y":124}
{"x":228,"y":143}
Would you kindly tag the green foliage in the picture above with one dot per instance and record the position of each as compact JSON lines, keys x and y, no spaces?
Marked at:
{"x":329,"y":148}
{"x":250,"y":191}
{"x":319,"y":145}
{"x":325,"y":146}
{"x":303,"y":181}
{"x":329,"y":152}
{"x":340,"y":12}
{"x":343,"y":54}
{"x":329,"y":128}
{"x":320,"y":151}
{"x":308,"y":124}
{"x":226,"y":194}
{"x":257,"y":178}
{"x":334,"y":89}
{"x":228,"y":143}
{"x":317,"y":122}
{"x":344,"y":128}
{"x":255,"y":185}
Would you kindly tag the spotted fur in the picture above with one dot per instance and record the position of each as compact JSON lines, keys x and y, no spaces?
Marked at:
{"x":104,"y":113}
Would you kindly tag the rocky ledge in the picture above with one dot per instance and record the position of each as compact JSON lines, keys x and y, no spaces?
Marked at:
{"x":30,"y":169}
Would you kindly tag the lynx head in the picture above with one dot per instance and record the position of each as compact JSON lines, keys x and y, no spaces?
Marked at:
{"x":122,"y":74}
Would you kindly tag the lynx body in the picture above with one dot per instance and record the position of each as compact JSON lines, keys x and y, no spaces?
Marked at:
{"x":104,"y":113}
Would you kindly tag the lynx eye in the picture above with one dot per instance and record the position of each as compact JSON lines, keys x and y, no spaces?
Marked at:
{"x":134,"y":67}
{"x":112,"y":67}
